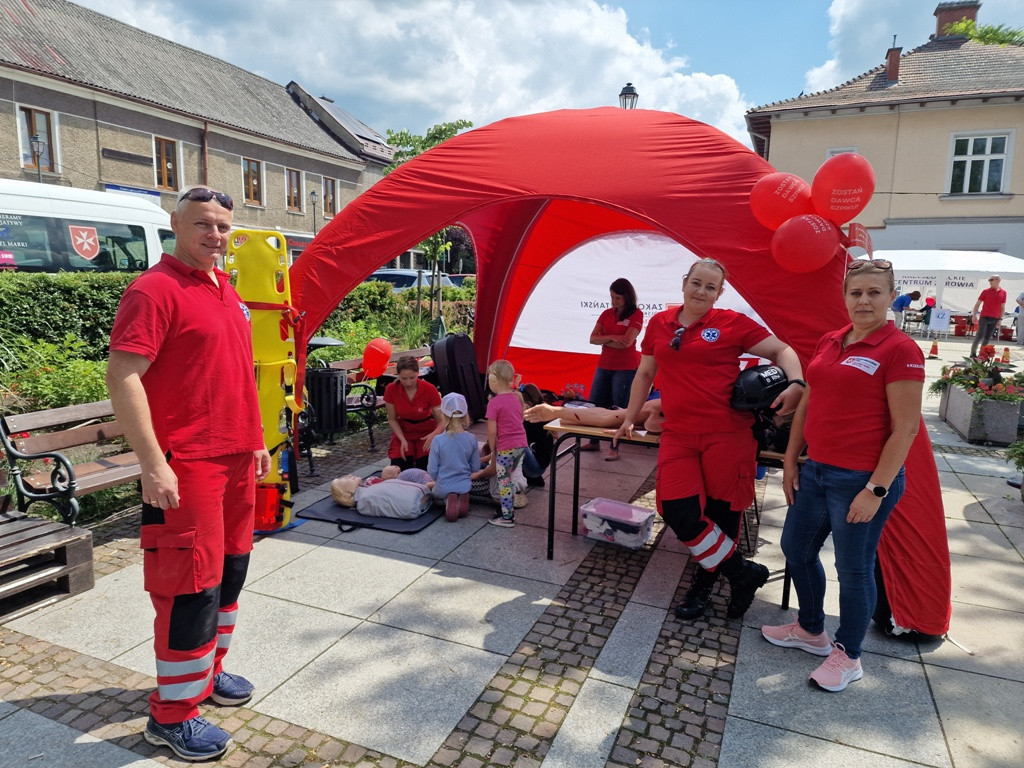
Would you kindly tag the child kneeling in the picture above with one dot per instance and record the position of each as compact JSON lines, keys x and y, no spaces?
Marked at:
{"x":454,"y":456}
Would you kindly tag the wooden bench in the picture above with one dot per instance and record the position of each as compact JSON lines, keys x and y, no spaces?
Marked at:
{"x":36,"y":437}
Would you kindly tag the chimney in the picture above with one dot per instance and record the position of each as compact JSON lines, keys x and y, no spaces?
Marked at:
{"x":950,"y":13}
{"x":892,"y":64}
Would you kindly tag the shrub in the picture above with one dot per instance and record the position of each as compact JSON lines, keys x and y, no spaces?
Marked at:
{"x":52,"y":375}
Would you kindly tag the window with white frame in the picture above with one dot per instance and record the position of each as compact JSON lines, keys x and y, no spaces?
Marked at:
{"x":36,"y":124}
{"x":979,"y":164}
{"x":833,"y":151}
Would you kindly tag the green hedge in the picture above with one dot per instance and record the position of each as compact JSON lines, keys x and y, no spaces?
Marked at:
{"x":49,"y":307}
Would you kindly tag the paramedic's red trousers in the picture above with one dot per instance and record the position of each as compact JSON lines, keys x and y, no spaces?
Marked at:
{"x":194,"y":564}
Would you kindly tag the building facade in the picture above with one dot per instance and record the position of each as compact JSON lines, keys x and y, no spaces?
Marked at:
{"x":940,"y":125}
{"x":114,"y":108}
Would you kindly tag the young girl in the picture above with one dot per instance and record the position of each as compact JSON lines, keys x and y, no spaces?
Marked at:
{"x":454,"y":456}
{"x":506,"y":436}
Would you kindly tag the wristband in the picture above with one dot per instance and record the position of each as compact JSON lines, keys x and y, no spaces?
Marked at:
{"x":800,"y":382}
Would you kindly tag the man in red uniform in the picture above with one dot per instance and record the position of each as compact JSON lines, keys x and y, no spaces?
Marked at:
{"x":181,"y":380}
{"x":992,"y":302}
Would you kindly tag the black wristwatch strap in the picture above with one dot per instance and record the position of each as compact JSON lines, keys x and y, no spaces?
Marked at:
{"x":801,"y":382}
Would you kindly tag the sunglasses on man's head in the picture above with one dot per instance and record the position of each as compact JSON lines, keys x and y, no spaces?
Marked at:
{"x":677,"y":339}
{"x":853,"y":266}
{"x":202,"y":195}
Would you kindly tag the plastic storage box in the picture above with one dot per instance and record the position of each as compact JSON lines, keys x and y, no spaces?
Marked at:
{"x":617,"y":522}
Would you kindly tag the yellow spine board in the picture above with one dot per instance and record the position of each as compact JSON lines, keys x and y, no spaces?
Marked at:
{"x":257,"y":260}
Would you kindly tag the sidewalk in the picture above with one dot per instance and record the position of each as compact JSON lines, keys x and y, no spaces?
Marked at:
{"x":463,"y":646}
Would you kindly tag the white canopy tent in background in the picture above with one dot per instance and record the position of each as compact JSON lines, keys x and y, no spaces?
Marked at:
{"x":955,"y":278}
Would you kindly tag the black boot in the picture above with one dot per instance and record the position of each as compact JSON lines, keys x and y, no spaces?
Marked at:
{"x":745,"y":578}
{"x":698,"y":597}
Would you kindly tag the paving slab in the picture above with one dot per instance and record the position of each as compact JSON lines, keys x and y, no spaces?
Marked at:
{"x":111,"y":618}
{"x":466,"y":605}
{"x":433,"y":542}
{"x":522,"y":551}
{"x":983,"y":540}
{"x":958,"y":502}
{"x":747,"y":744}
{"x":341,"y":577}
{"x":625,"y":655}
{"x":995,"y":637}
{"x":28,"y":739}
{"x":981,"y":717}
{"x":290,"y":634}
{"x":273,"y":552}
{"x":990,"y":583}
{"x":386,"y":689}
{"x":657,"y":585}
{"x":1002,"y":502}
{"x":989,"y":466}
{"x":771,"y":688}
{"x":588,"y":733}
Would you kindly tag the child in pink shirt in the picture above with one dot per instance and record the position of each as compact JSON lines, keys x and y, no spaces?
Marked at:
{"x":506,"y":436}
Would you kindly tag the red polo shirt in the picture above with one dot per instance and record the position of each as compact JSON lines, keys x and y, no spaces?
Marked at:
{"x":200,"y":386}
{"x":696,"y":380}
{"x":612,"y":359}
{"x":992,"y":302}
{"x":848,"y":413}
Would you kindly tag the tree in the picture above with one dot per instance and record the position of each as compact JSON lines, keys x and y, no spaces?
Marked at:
{"x":987,"y":34}
{"x":436,"y":248}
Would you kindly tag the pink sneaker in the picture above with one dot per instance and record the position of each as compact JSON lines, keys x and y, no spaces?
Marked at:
{"x":838,"y":671}
{"x":795,"y":636}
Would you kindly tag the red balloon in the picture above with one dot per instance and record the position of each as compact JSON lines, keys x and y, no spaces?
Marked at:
{"x":805,"y":243}
{"x":376,"y":357}
{"x":778,"y":197}
{"x":842,"y":187}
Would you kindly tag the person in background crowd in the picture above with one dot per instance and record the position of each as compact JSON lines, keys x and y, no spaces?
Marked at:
{"x":180,"y":376}
{"x":902,"y":304}
{"x":615,"y":332}
{"x":414,"y":414}
{"x":1020,"y":319}
{"x":858,"y":418}
{"x":992,"y":303}
{"x":506,"y":436}
{"x":707,"y":453}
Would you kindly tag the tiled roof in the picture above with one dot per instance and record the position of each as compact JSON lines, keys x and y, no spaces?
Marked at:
{"x":943,"y":68}
{"x":65,"y":41}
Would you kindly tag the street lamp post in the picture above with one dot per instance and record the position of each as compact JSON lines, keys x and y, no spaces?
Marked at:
{"x":37,"y":153}
{"x":628,"y":97}
{"x":314,"y":198}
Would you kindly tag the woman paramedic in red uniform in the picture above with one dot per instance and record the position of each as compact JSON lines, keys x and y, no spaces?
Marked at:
{"x":414,"y":414}
{"x":707,"y":454}
{"x":858,"y":419}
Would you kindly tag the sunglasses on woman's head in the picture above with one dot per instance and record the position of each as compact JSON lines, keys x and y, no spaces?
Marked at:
{"x":677,"y":339}
{"x":853,"y":266}
{"x":202,"y":195}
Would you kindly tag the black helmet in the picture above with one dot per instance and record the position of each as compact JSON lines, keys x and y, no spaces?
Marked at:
{"x":757,"y":387}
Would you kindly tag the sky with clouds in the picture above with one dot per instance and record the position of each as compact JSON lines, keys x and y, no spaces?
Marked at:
{"x":414,"y":63}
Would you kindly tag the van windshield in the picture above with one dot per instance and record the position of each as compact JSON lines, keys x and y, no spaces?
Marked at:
{"x":44,"y":244}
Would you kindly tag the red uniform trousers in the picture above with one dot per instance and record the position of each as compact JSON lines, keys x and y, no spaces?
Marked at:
{"x":194,"y":565}
{"x":704,"y":483}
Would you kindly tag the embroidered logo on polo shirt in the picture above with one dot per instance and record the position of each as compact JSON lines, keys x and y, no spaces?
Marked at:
{"x":865,"y":364}
{"x":710,"y":334}
{"x":245,"y":311}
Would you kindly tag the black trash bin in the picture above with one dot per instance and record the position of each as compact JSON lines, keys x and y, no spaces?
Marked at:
{"x":325,"y":391}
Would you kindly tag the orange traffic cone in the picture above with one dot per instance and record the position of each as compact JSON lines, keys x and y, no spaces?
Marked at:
{"x":1006,"y":355}
{"x":934,"y":353}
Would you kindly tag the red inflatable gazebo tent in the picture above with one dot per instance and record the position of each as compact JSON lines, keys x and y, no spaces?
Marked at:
{"x":529,"y":189}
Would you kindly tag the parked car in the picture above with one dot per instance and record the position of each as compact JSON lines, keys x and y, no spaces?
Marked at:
{"x":402,"y":279}
{"x":460,"y":279}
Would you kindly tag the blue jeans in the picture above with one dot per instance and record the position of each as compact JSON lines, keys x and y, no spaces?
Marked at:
{"x":610,"y":389}
{"x":531,"y":467}
{"x":819,"y":509}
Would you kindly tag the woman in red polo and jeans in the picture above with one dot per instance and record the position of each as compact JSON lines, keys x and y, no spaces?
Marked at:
{"x":858,"y":418}
{"x":707,"y":454}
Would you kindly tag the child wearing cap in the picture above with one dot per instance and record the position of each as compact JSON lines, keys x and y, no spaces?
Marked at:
{"x":454,"y":455}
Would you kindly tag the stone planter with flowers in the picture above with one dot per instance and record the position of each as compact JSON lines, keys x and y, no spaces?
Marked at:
{"x":981,"y":401}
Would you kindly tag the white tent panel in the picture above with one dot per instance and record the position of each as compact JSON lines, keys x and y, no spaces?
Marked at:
{"x":567,"y":300}
{"x":955,"y":278}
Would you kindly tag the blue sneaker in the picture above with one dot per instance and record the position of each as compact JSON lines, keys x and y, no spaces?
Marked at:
{"x":231,"y":690}
{"x":194,"y":740}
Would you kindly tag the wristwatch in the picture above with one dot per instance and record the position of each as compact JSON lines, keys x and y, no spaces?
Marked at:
{"x":879,"y":490}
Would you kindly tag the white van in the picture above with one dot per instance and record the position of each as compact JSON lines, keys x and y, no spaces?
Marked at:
{"x":48,"y":228}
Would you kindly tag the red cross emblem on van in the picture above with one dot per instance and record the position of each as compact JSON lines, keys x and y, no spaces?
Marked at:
{"x":85,"y":241}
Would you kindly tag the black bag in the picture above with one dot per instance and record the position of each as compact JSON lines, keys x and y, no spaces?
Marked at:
{"x":457,"y":371}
